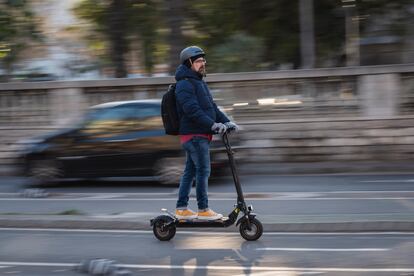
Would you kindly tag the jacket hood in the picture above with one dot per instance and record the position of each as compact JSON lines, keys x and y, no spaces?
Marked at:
{"x":185,"y":72}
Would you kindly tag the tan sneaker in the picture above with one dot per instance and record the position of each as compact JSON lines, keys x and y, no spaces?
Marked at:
{"x":185,"y":214}
{"x":208,"y":215}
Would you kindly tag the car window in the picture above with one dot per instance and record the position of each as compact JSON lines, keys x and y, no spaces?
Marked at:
{"x":148,"y":117}
{"x":106,"y":122}
{"x":114,"y":113}
{"x":147,"y":111}
{"x":115,"y":120}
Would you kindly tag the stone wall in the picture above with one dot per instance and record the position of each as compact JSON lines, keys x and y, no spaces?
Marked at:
{"x":329,"y":139}
{"x":338,"y":114}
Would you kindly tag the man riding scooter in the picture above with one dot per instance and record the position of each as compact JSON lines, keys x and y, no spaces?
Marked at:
{"x":199,"y":120}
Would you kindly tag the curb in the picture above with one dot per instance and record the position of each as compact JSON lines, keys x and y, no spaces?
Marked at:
{"x":94,"y":224}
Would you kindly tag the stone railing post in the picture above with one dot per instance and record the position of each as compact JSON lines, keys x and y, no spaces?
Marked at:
{"x":379,"y":94}
{"x":67,"y":105}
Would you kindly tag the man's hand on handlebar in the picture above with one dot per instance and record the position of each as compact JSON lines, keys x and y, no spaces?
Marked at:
{"x":219,"y":128}
{"x":231,"y":126}
{"x":228,"y":127}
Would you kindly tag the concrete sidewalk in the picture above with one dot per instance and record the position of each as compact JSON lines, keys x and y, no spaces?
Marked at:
{"x":312,"y":223}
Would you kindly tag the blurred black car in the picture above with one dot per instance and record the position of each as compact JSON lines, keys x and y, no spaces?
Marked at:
{"x":115,"y":139}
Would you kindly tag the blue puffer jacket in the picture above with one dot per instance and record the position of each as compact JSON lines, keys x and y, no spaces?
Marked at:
{"x":196,"y":108}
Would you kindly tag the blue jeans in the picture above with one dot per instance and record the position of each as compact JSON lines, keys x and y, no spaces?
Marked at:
{"x":197,"y":166}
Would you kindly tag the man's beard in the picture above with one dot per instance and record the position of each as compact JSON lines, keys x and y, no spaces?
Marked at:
{"x":202,"y":71}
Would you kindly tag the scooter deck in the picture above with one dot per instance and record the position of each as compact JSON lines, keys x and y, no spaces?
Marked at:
{"x":223,"y":222}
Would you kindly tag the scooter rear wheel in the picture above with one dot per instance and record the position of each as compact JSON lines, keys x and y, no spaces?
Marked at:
{"x":255,"y":231}
{"x":162,"y":230}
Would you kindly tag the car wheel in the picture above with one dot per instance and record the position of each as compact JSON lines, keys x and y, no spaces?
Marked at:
{"x":168,"y":170}
{"x":43,"y":171}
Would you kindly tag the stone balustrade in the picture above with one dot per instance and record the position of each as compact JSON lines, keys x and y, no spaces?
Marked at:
{"x":340,"y":114}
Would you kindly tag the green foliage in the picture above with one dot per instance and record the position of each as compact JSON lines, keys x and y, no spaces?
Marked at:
{"x":120,"y":23}
{"x":274,"y":23}
{"x":239,"y":52}
{"x":329,"y":29}
{"x":238,"y":35}
{"x":394,"y":13}
{"x":145,"y":27}
{"x":17,"y":28}
{"x":94,"y":11}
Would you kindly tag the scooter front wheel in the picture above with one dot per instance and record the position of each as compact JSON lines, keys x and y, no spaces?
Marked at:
{"x":255,"y":231}
{"x":163,"y":229}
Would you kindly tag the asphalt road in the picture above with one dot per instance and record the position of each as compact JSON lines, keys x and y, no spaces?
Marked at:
{"x":250,"y":183}
{"x":56,"y":251}
{"x":45,"y":252}
{"x":367,"y":196}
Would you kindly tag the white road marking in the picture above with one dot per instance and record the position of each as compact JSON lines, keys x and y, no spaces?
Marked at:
{"x":218,"y":267}
{"x":79,"y":230}
{"x":219,"y":193}
{"x":322,"y":249}
{"x":207,"y":233}
{"x":347,"y":192}
{"x":246,"y":194}
{"x":281,"y":273}
{"x":92,"y":199}
{"x":226,"y":196}
{"x":387,"y":180}
{"x":127,"y":215}
{"x":38,"y":264}
{"x":337,"y":233}
{"x":289,"y":198}
{"x":59,"y":270}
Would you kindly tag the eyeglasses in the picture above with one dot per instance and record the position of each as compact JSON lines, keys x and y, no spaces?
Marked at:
{"x":200,"y":60}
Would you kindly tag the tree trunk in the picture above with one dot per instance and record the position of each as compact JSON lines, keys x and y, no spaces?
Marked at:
{"x":174,"y":15}
{"x":117,"y":36}
{"x":352,"y":36}
{"x":307,"y":37}
{"x":7,"y":75}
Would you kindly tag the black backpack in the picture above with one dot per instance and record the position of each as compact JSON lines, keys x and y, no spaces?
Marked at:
{"x":169,"y":111}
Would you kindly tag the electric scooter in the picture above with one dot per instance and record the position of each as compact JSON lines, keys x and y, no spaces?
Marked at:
{"x":164,"y":226}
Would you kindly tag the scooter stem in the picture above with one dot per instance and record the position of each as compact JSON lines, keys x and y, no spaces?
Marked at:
{"x":240,"y":197}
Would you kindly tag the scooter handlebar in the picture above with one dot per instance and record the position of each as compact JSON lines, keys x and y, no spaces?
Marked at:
{"x":228,"y":130}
